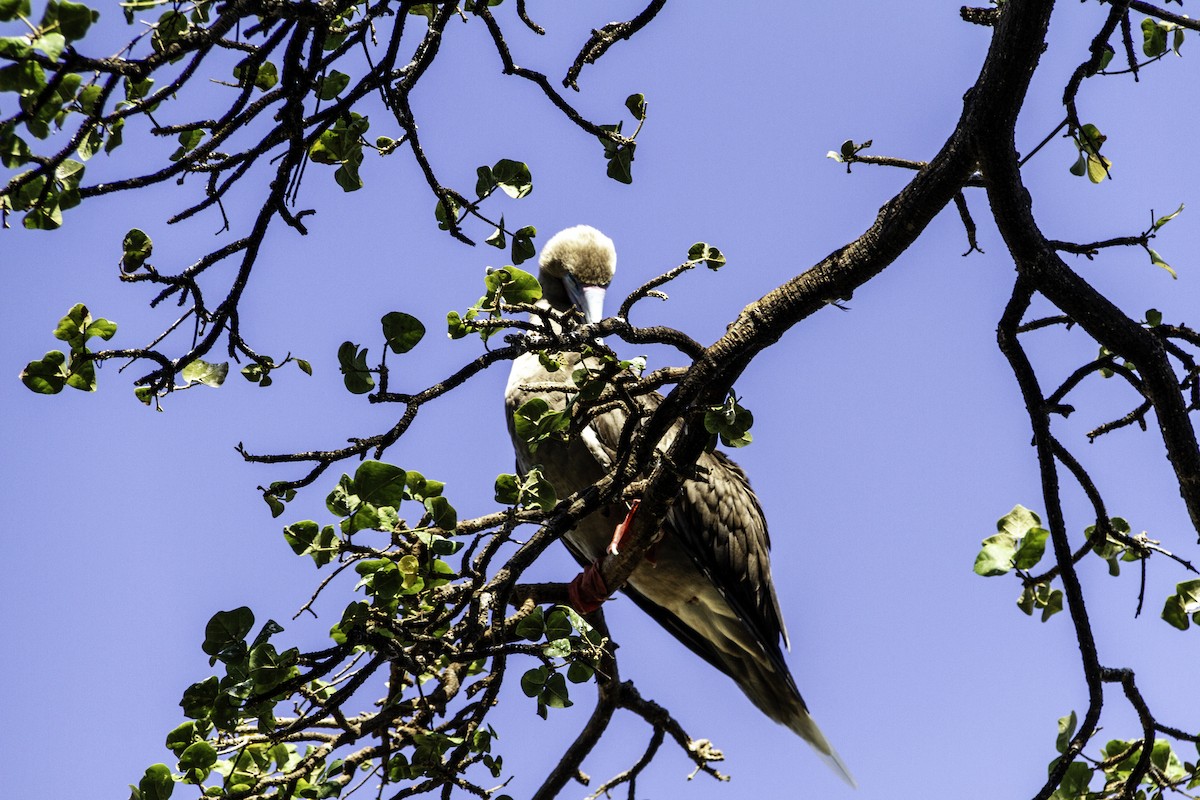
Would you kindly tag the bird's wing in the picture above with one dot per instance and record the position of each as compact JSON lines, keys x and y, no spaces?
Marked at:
{"x":717,"y":523}
{"x":723,"y":527}
{"x":720,"y":525}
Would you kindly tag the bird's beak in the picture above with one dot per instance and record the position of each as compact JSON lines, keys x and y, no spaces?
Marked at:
{"x":588,"y":299}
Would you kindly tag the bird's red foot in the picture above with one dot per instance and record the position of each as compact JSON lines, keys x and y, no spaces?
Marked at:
{"x":619,"y":533}
{"x":588,"y":591}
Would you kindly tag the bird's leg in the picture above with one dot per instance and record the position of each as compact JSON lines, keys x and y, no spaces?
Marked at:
{"x":619,"y":533}
{"x":588,"y":591}
{"x":623,"y":528}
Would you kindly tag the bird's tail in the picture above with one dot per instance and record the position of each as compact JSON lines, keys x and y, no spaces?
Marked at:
{"x":769,"y":685}
{"x":803,"y":725}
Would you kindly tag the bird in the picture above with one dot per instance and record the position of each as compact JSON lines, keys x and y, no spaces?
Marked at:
{"x":709,"y":583}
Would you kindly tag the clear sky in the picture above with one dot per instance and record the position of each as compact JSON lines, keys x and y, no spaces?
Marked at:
{"x":888,"y":438}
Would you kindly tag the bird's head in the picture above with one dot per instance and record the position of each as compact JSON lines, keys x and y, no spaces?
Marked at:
{"x":577,"y":265}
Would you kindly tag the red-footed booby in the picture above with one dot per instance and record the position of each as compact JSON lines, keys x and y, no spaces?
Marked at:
{"x":710,"y":582}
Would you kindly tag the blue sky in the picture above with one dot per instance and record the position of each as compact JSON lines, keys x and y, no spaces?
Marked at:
{"x":888,"y":438}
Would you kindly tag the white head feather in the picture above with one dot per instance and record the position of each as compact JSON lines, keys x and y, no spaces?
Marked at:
{"x":583,"y":252}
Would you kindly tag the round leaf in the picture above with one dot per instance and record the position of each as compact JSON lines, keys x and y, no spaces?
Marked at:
{"x":402,"y":331}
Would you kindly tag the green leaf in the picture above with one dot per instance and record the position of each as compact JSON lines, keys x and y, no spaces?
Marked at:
{"x":620,"y":166}
{"x":169,"y":30}
{"x":1090,"y":138}
{"x":198,"y":698}
{"x":1098,"y":167}
{"x":510,"y":285}
{"x":267,"y":77}
{"x":421,"y":487}
{"x":558,"y":624}
{"x":1074,"y":783}
{"x":48,"y":375}
{"x":610,"y":147}
{"x":531,"y":490}
{"x":27,"y":78}
{"x":52,"y":44}
{"x":557,"y":648}
{"x":11,"y":9}
{"x":380,"y":484}
{"x":507,"y":489}
{"x":996,"y":557}
{"x":533,"y":681}
{"x":115,"y":136}
{"x":534,"y":422}
{"x":636,"y":103}
{"x":256,"y":373}
{"x":156,"y":784}
{"x":522,"y":244}
{"x":532,"y":626}
{"x":226,"y":631}
{"x":197,"y":761}
{"x":1165,"y":760}
{"x":346,"y":176}
{"x":1158,"y":223}
{"x":269,"y":668}
{"x":275,"y":499}
{"x":83,"y":374}
{"x":136,"y":247}
{"x":402,"y":331}
{"x":513,"y":177}
{"x":1017,"y":522}
{"x":485,"y":182}
{"x":342,"y":142}
{"x":89,"y":98}
{"x":1154,"y":318}
{"x":200,"y":371}
{"x":305,"y":538}
{"x":1053,"y":604}
{"x":579,"y":672}
{"x":1157,"y":261}
{"x":69,"y":173}
{"x":496,"y":238}
{"x":446,"y":212}
{"x":1154,"y":37}
{"x":91,"y":143}
{"x":1184,"y":602}
{"x":14,"y":152}
{"x":72,"y":19}
{"x":188,"y":140}
{"x":555,"y":693}
{"x":1175,"y":613}
{"x":182,"y":736}
{"x":1066,"y":731}
{"x":353,"y":364}
{"x":1033,"y":547}
{"x":70,"y":329}
{"x":713,"y":258}
{"x":442,"y":513}
{"x":455,"y":328}
{"x":44,"y":218}
{"x":730,"y":421}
